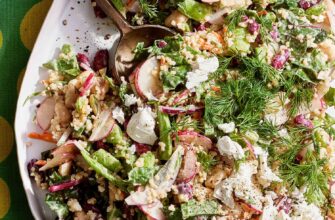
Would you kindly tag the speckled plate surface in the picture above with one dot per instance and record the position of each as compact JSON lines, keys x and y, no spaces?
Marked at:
{"x":70,"y":22}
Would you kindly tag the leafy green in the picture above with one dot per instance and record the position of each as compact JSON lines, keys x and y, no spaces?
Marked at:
{"x":66,"y":64}
{"x":316,"y":10}
{"x":141,"y":175}
{"x":165,"y":137}
{"x":174,"y":76}
{"x":102,"y":170}
{"x":56,"y":204}
{"x":193,"y":208}
{"x":118,"y":4}
{"x":330,"y":96}
{"x":195,"y":10}
{"x":240,"y":43}
{"x":107,"y":160}
{"x":206,"y":160}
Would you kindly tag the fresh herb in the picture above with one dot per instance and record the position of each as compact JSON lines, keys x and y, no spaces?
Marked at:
{"x":224,"y":63}
{"x":234,"y":18}
{"x":241,"y":101}
{"x":206,"y":160}
{"x":310,"y":174}
{"x":174,"y":77}
{"x":32,"y":96}
{"x":149,"y":9}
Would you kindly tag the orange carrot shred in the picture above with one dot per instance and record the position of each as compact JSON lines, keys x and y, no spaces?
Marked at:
{"x":40,"y":162}
{"x":45,"y":136}
{"x":263,"y":12}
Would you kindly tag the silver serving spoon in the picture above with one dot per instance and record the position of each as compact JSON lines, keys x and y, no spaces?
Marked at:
{"x":122,"y":64}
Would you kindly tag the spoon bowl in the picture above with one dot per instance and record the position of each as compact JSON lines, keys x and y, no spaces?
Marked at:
{"x":122,"y":62}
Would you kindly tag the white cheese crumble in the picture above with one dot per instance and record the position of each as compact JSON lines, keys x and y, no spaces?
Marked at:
{"x":201,"y":68}
{"x":129,"y":100}
{"x":227,"y":127}
{"x":118,"y":114}
{"x":240,"y":184}
{"x":74,"y":205}
{"x":265,"y":175}
{"x":141,"y":126}
{"x":229,"y":147}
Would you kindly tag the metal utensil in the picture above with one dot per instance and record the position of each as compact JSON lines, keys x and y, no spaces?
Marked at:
{"x":123,"y":62}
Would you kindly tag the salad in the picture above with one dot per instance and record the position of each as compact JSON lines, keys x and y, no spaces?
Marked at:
{"x":232,"y":121}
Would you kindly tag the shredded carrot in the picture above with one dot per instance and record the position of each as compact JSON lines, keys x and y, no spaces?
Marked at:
{"x":45,"y":136}
{"x":218,"y":36}
{"x":40,"y":162}
{"x":263,"y":12}
{"x":216,"y":88}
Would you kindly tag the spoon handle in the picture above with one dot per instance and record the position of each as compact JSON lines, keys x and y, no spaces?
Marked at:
{"x":115,"y":15}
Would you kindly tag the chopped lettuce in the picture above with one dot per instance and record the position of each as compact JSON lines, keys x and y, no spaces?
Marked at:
{"x":141,"y":175}
{"x":195,"y":10}
{"x":107,"y":160}
{"x":56,"y":204}
{"x":66,"y":63}
{"x":239,"y":42}
{"x":194,"y":208}
{"x":174,"y":77}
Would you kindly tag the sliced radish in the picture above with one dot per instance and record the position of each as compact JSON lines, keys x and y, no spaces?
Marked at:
{"x":188,"y":169}
{"x":250,"y":208}
{"x":153,"y":211}
{"x":64,"y":185}
{"x":57,"y":160}
{"x":132,"y":82}
{"x":84,"y":62}
{"x":146,"y":79}
{"x":133,"y":6}
{"x":192,"y":137}
{"x":182,"y":96}
{"x":87,"y":84}
{"x":217,"y":17}
{"x":141,"y":148}
{"x":67,"y":148}
{"x":45,"y":113}
{"x":103,"y":125}
{"x":284,"y":203}
{"x":250,"y":147}
{"x":180,"y":110}
{"x":65,"y":136}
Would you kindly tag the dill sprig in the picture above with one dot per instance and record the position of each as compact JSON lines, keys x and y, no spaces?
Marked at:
{"x":206,"y":160}
{"x":149,"y":9}
{"x":309,"y":174}
{"x":224,"y":63}
{"x":234,"y":18}
{"x":253,"y":67}
{"x":241,"y":101}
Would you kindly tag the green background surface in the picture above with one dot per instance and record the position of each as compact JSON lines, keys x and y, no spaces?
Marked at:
{"x":20,"y":21}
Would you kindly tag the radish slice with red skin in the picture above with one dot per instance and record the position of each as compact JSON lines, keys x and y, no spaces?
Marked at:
{"x":57,"y":160}
{"x":180,"y":110}
{"x":69,"y":147}
{"x":146,"y":81}
{"x":250,"y":147}
{"x":182,"y":96}
{"x":87,"y":84}
{"x":192,"y":137}
{"x":250,"y":208}
{"x":153,"y":211}
{"x":188,"y":168}
{"x":45,"y":113}
{"x":64,"y":185}
{"x":104,"y":125}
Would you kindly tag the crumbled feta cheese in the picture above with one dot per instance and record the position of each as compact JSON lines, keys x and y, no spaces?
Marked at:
{"x":150,"y":96}
{"x":302,"y":210}
{"x":201,"y":68}
{"x":141,"y":126}
{"x":269,"y":211}
{"x":227,"y":127}
{"x":129,"y":100}
{"x":229,"y":147}
{"x":118,"y":114}
{"x":265,"y":175}
{"x":240,"y":184}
